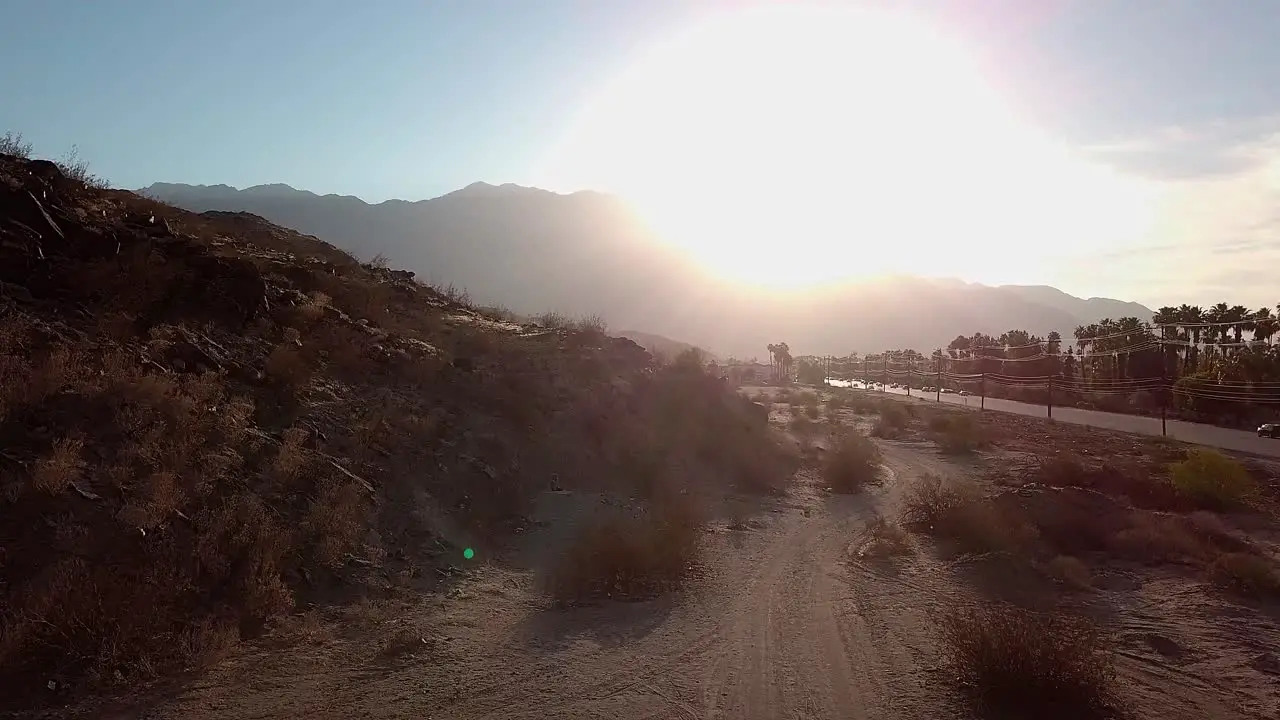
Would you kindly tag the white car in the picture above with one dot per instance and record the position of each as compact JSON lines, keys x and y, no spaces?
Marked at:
{"x":1271,"y":430}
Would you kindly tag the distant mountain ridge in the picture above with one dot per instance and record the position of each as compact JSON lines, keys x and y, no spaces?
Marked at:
{"x":588,"y":253}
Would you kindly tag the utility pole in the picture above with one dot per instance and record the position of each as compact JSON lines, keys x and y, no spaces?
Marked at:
{"x":1051,"y":397}
{"x":982,"y":390}
{"x":1164,"y":391}
{"x":938,"y":368}
{"x":885,"y":378}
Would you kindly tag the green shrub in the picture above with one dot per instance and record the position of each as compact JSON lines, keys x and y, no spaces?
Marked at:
{"x":1212,"y":479}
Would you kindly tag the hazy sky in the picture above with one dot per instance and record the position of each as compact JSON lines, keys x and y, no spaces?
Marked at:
{"x":1177,"y":100}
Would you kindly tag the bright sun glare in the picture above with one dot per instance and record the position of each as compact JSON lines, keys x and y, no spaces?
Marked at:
{"x":798,"y":144}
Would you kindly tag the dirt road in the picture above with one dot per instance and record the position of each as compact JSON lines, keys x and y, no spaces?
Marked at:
{"x":785,"y":622}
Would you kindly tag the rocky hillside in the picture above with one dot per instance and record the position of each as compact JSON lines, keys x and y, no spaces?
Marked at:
{"x":208,"y":421}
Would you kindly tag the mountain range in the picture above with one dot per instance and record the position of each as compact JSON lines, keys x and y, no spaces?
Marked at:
{"x":588,"y":253}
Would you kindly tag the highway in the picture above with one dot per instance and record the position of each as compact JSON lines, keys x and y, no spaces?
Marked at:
{"x":1211,"y":435}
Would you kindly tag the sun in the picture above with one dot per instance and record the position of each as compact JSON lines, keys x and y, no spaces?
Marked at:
{"x":797,"y":144}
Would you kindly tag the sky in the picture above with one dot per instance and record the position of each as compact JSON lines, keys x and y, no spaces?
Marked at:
{"x":1128,"y":149}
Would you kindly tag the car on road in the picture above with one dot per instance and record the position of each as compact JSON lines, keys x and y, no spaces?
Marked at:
{"x":963,"y":393}
{"x":1271,"y":430}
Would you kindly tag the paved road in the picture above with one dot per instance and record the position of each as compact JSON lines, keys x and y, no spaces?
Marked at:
{"x":1212,"y":435}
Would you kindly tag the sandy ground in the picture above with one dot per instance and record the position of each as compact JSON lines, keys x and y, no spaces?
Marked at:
{"x":790,"y":618}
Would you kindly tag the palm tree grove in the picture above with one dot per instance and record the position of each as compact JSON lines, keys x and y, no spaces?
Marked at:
{"x":1216,"y":365}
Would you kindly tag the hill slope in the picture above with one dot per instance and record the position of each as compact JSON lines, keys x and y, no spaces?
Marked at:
{"x":209,"y":422}
{"x":532,"y":250}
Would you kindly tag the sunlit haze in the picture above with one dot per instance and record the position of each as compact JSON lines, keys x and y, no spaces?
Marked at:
{"x":803,"y":143}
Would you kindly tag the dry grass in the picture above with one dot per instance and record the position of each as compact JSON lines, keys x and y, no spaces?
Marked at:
{"x":1248,"y":574}
{"x":560,"y":321}
{"x":1016,"y":663}
{"x":852,"y":463}
{"x":56,"y":471}
{"x":1070,"y":571}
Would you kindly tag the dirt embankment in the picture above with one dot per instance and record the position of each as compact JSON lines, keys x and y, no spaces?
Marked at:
{"x":210,"y":424}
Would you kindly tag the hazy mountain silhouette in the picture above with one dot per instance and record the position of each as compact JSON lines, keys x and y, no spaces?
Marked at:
{"x":587,"y":253}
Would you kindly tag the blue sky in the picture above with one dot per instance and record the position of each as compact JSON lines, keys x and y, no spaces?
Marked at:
{"x":406,"y":99}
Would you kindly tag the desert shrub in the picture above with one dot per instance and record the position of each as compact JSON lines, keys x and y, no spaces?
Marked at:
{"x":764,"y":466}
{"x":861,"y":404}
{"x":939,"y":422}
{"x":882,"y":429}
{"x":971,"y":523}
{"x":454,"y":294}
{"x":12,"y":143}
{"x":287,"y":367}
{"x":929,"y":499}
{"x":1138,"y":485}
{"x":960,"y":435}
{"x":1213,"y":479}
{"x":61,"y":467}
{"x":1016,"y":663}
{"x":893,"y":414}
{"x":1246,"y":573}
{"x":630,"y":557}
{"x":886,"y":538}
{"x":812,"y":412}
{"x":1158,"y":538}
{"x":852,"y":463}
{"x":802,"y":426}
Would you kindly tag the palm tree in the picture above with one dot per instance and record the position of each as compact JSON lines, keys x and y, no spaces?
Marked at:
{"x":783,"y":352}
{"x":1239,"y":315}
{"x":1264,"y":325}
{"x":1165,"y":317}
{"x":1191,"y":316}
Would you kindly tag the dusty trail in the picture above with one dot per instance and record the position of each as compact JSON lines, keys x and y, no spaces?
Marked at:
{"x":785,"y":624}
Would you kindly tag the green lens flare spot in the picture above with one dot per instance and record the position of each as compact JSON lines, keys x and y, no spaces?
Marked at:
{"x":468,"y":553}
